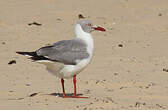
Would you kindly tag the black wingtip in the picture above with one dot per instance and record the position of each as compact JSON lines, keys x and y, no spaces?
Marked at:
{"x":33,"y":56}
{"x":27,"y":53}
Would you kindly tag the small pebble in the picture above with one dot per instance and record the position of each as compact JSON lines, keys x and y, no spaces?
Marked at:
{"x":86,"y":82}
{"x":87,"y":91}
{"x":11,"y":91}
{"x":160,"y":106}
{"x":97,"y":81}
{"x":115,"y":74}
{"x":59,"y":19}
{"x":85,"y":108}
{"x":164,"y":69}
{"x":32,"y":95}
{"x":137,"y":104}
{"x":80,"y":16}
{"x":90,"y":103}
{"x":27,"y":84}
{"x":120,"y":45}
{"x":110,"y":99}
{"x":160,"y":14}
{"x":3,"y":43}
{"x":12,"y":62}
{"x":35,"y":23}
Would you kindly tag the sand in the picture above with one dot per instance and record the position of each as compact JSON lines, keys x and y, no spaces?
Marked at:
{"x":128,"y":70}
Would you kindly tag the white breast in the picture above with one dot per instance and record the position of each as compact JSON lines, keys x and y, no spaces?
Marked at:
{"x":70,"y":70}
{"x":86,"y":37}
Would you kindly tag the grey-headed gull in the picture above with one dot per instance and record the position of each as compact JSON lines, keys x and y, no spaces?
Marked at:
{"x":67,"y":58}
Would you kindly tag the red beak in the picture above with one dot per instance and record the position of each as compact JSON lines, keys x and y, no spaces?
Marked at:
{"x":99,"y":28}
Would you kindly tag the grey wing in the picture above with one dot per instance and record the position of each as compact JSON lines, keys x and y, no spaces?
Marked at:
{"x":66,"y":51}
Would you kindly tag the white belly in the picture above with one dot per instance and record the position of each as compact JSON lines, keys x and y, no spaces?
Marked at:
{"x":70,"y":70}
{"x":65,"y":71}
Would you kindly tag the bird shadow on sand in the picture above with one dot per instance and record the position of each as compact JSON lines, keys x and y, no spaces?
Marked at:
{"x":61,"y":94}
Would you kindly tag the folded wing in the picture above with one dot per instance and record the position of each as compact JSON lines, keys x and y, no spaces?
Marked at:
{"x":66,"y":51}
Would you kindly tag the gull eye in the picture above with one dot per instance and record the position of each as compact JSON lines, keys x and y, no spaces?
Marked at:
{"x":89,"y":24}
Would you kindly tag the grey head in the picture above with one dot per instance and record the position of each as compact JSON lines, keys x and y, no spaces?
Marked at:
{"x":87,"y":26}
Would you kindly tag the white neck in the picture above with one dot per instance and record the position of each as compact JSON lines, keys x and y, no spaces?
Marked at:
{"x":86,"y":37}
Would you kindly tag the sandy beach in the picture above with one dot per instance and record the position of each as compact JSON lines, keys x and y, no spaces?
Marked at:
{"x":129,"y":69}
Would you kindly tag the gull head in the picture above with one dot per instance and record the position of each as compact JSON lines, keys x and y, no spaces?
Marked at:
{"x":87,"y":26}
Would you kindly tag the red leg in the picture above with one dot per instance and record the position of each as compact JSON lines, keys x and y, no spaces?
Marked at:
{"x":74,"y":81}
{"x":75,"y":95}
{"x":63,"y":89}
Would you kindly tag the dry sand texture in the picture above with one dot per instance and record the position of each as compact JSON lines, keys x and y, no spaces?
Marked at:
{"x":126,"y":72}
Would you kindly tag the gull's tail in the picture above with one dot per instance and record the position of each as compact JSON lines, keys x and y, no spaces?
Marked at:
{"x":33,"y":56}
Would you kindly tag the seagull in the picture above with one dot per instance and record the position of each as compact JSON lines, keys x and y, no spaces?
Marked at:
{"x":66,"y":58}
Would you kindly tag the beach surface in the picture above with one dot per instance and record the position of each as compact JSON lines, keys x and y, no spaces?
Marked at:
{"x":129,"y":69}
